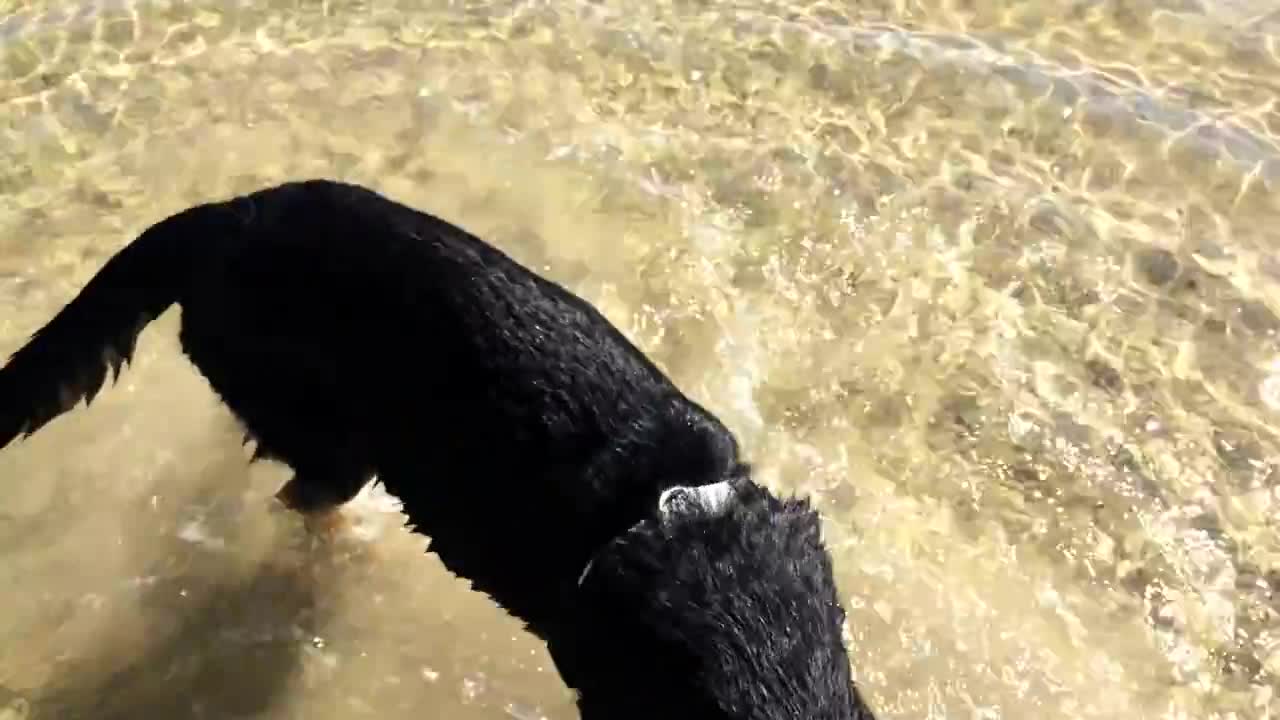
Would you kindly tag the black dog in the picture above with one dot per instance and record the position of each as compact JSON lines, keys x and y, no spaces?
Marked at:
{"x":353,"y":335}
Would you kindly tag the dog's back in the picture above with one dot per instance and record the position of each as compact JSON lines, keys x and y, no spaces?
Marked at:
{"x":354,"y":335}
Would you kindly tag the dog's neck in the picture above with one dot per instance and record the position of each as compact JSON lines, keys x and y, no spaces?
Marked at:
{"x":674,"y":502}
{"x":725,"y":603}
{"x":712,"y":500}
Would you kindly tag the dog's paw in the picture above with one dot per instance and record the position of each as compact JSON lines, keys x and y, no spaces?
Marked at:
{"x":327,"y":525}
{"x":334,"y":533}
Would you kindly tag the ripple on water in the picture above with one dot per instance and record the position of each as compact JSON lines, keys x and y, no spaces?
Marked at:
{"x":995,"y":284}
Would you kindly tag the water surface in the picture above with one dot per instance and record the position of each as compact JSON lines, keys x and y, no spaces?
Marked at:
{"x":996,"y":283}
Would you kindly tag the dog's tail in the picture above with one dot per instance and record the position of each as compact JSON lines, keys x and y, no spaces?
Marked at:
{"x":66,"y":361}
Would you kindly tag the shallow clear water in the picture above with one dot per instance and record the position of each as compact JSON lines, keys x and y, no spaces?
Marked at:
{"x":995,"y":282}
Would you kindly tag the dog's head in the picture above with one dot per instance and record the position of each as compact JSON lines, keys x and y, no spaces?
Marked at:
{"x":723,"y":605}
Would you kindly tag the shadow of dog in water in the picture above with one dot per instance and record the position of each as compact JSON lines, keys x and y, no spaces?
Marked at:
{"x":215,"y":631}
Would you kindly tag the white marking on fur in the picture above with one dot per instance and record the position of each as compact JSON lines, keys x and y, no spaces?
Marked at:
{"x":586,"y":570}
{"x":712,"y":499}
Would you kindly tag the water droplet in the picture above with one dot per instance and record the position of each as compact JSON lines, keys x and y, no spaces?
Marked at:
{"x":1269,"y":392}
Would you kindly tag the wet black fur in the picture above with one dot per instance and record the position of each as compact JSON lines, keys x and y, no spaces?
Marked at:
{"x":733,"y":615}
{"x":353,"y":335}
